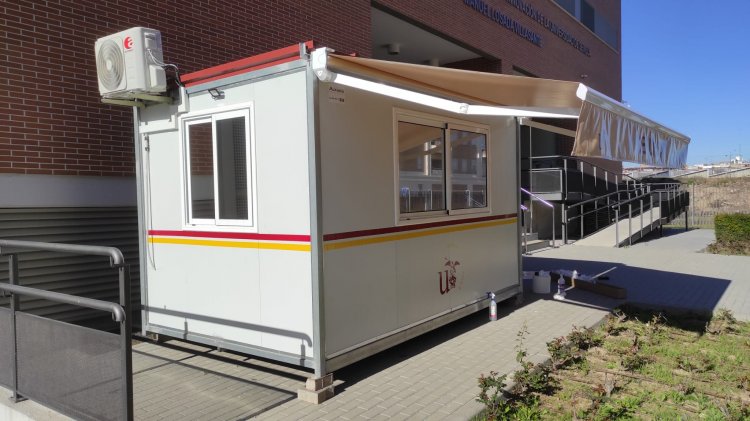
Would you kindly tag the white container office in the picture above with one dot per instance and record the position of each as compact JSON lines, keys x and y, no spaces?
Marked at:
{"x":316,"y":209}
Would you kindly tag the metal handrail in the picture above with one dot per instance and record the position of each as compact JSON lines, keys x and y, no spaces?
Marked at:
{"x":549,"y":205}
{"x":597,"y":198}
{"x":546,"y":203}
{"x":631,"y":199}
{"x":114,"y":254}
{"x":118,"y":311}
{"x":118,"y":314}
{"x":574,"y":158}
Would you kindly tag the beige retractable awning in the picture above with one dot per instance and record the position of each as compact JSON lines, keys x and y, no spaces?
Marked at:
{"x":606,"y":128}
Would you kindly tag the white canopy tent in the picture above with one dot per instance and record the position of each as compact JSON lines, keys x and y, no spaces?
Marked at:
{"x":606,"y":128}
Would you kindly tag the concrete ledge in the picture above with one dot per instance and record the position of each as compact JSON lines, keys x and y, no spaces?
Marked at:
{"x":27,"y":410}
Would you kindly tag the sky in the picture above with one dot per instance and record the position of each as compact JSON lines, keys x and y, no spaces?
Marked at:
{"x":686,"y":65}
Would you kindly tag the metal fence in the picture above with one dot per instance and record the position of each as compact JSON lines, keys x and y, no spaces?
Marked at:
{"x":722,"y":196}
{"x":81,"y":372}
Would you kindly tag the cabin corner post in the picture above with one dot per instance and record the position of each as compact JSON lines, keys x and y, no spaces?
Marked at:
{"x":319,"y":388}
{"x":519,"y":217}
{"x":141,"y":212}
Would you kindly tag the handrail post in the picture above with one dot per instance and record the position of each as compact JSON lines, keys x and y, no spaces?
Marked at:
{"x":581,"y":215}
{"x":564,"y":223}
{"x":630,"y":224}
{"x":617,"y":228}
{"x":651,"y":210}
{"x":554,"y":243}
{"x":525,"y":215}
{"x":606,"y":182}
{"x":14,"y":307}
{"x":596,"y":215}
{"x":123,"y":274}
{"x":583,"y":180}
{"x":641,"y":218}
{"x":565,"y":174}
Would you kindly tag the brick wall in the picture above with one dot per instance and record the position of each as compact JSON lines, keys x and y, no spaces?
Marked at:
{"x":51,"y":119}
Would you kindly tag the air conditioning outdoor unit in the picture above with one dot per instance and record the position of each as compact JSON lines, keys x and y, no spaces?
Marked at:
{"x":130,"y":62}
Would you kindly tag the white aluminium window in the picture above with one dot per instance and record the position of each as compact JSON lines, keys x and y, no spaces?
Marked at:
{"x":442,"y":167}
{"x":218,"y":169}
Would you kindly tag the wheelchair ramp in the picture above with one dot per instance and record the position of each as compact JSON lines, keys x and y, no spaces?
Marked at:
{"x":625,"y":231}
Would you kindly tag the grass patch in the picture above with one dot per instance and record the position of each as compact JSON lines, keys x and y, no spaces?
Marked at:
{"x":642,"y":365}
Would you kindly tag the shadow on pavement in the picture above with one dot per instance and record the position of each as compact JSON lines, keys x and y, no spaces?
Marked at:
{"x":370,"y":366}
{"x":656,"y":289}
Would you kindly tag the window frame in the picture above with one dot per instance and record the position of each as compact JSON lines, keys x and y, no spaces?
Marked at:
{"x":213,"y":116}
{"x":446,"y":124}
{"x":449,"y":191}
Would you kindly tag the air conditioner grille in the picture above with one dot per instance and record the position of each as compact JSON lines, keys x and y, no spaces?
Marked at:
{"x":110,"y":65}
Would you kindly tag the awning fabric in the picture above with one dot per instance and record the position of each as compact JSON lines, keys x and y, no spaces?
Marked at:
{"x":606,"y":128}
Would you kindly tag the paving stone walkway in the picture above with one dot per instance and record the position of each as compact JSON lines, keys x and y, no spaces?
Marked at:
{"x":435,"y":376}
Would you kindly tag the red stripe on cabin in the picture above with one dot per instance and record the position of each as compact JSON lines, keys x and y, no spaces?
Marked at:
{"x":245,"y":65}
{"x":231,"y":235}
{"x":391,"y":230}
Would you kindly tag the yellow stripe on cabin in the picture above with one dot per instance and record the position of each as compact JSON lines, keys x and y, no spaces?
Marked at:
{"x":414,"y":234}
{"x":234,"y":244}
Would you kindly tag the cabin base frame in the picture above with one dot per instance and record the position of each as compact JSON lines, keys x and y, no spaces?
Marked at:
{"x":257,"y":351}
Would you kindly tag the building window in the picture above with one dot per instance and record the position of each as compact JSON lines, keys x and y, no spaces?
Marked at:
{"x":588,"y":16}
{"x":218,"y":168}
{"x":442,"y":167}
{"x":585,"y":13}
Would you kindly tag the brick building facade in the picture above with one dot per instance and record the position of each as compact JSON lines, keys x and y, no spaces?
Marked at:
{"x":53,"y":123}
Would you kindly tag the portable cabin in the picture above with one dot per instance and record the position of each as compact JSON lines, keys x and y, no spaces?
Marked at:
{"x":316,"y":208}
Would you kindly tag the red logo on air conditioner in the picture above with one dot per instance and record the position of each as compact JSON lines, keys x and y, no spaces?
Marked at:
{"x":127,"y":43}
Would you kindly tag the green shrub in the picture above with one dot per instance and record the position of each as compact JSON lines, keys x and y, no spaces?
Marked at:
{"x":732,"y":227}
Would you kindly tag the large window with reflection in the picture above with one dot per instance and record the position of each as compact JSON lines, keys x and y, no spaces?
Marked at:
{"x":442,"y":167}
{"x":218,"y":169}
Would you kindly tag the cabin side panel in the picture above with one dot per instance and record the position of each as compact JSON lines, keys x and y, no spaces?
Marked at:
{"x":240,"y":284}
{"x":383,"y":273}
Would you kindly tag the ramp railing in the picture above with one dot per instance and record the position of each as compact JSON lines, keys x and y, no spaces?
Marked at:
{"x":81,"y":372}
{"x":549,"y":205}
{"x":635,"y":202}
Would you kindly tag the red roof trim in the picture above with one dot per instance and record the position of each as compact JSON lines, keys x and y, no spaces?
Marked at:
{"x":245,"y":65}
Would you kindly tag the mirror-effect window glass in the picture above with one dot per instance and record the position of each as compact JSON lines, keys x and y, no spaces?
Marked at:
{"x":421,"y":168}
{"x":231,"y":150}
{"x":468,"y":169}
{"x":201,"y":167}
{"x":219,"y":170}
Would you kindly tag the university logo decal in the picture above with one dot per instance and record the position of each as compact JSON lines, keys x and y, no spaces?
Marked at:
{"x":448,"y":276}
